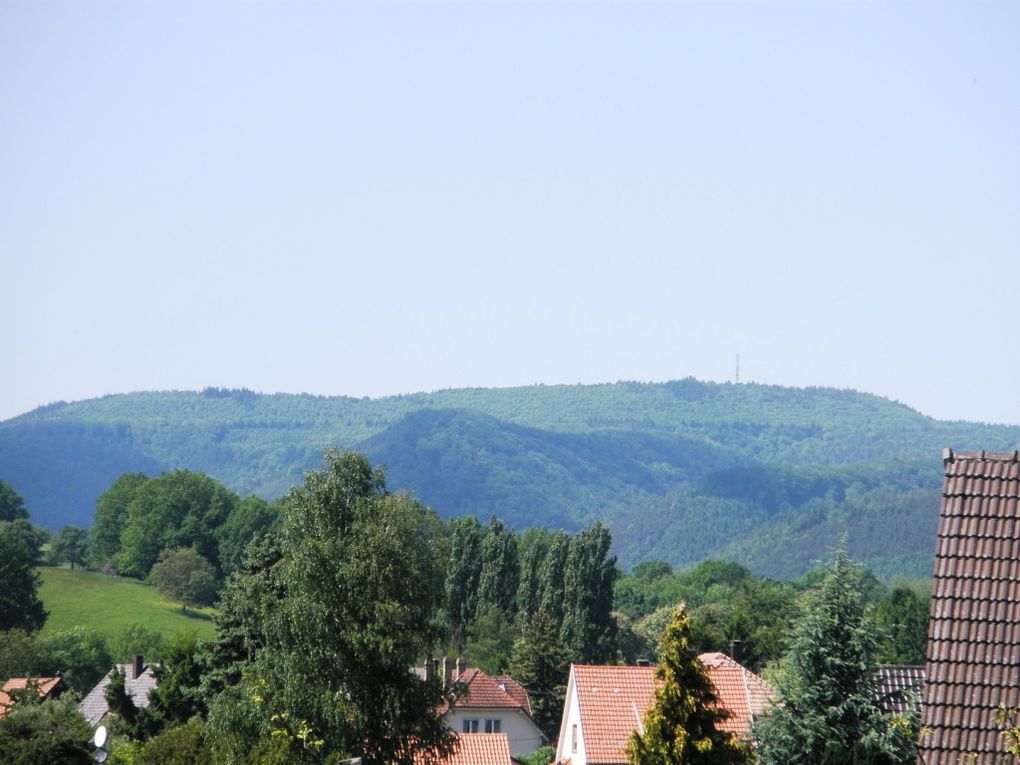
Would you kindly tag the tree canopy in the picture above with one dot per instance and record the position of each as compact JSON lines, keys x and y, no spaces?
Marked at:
{"x":19,"y":596}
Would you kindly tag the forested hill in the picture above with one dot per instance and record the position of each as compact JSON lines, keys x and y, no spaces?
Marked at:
{"x":679,"y":470}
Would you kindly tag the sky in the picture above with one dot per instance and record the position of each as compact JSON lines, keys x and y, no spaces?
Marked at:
{"x":376,"y":198}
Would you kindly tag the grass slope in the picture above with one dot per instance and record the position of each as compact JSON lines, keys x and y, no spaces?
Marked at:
{"x":108,"y":605}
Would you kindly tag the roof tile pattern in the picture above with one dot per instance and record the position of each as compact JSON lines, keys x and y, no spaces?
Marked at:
{"x":94,"y":707}
{"x":612,"y":701}
{"x":477,"y":749}
{"x":45,"y":686}
{"x":741,"y":692}
{"x":973,"y":656}
{"x":897,"y":686}
{"x":482,"y":690}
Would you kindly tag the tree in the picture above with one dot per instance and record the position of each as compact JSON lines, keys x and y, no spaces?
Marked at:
{"x":901,"y":619}
{"x":500,"y":570}
{"x":462,"y":575}
{"x":79,"y":654}
{"x":20,"y":606}
{"x":110,"y":516}
{"x":589,"y":629}
{"x":49,"y":732}
{"x":680,"y":727}
{"x":12,"y":506}
{"x":178,"y":509}
{"x":182,"y":575}
{"x":360,"y":581}
{"x":541,"y":664}
{"x":71,"y":545}
{"x":826,"y":684}
{"x":251,"y":518}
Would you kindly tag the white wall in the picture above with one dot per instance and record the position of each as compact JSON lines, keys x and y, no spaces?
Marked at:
{"x":571,"y":717}
{"x":522,"y":733}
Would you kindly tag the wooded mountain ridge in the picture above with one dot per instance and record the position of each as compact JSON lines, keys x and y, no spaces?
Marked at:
{"x":680,"y":471}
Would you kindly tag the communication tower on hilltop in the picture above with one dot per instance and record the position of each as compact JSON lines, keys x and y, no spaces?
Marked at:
{"x":736,"y":379}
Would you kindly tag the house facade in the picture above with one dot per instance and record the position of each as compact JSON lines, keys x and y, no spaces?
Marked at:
{"x":606,"y":704}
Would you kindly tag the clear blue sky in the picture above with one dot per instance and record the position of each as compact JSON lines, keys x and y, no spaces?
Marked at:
{"x":376,"y":198}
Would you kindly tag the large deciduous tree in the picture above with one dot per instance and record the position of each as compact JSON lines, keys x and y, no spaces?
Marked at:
{"x":588,"y":628}
{"x":360,"y":581}
{"x":680,"y":728}
{"x":110,"y":516}
{"x":184,"y":576}
{"x":12,"y":506}
{"x":71,"y":544}
{"x":20,"y":606}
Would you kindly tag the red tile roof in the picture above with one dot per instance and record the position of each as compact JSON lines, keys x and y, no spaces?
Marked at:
{"x":973,"y":656}
{"x":612,"y":701}
{"x":46,"y":687}
{"x":482,"y":690}
{"x":741,"y":692}
{"x":476,"y":749}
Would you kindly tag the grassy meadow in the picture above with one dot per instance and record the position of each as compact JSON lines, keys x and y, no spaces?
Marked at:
{"x":108,"y":605}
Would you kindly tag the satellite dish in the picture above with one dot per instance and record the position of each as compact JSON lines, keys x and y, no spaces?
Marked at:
{"x":100,"y":755}
{"x":100,"y":738}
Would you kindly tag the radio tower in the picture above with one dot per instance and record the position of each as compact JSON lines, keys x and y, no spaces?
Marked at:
{"x":737,"y":378}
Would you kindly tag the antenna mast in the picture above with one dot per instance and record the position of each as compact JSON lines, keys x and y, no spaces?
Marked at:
{"x":737,"y":378}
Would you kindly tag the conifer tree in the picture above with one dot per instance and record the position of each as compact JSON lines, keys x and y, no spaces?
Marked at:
{"x":826,"y":683}
{"x":680,"y":727}
{"x":541,"y":664}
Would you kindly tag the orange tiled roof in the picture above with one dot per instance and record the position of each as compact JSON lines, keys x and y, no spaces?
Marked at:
{"x":46,"y":686}
{"x":741,"y":692}
{"x":612,"y":700}
{"x":973,"y":664}
{"x":477,"y":749}
{"x":482,"y":690}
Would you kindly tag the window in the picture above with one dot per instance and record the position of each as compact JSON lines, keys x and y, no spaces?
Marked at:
{"x":470,"y":726}
{"x":492,"y":726}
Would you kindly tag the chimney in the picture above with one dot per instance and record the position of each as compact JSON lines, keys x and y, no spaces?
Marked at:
{"x":643,"y":663}
{"x":447,"y":679}
{"x":137,"y":667}
{"x":737,"y":650}
{"x":428,"y":669}
{"x":461,"y":666}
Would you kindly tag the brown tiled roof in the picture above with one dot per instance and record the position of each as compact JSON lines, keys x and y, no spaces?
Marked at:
{"x":741,"y":693}
{"x":47,"y":686}
{"x":973,"y":658}
{"x":612,"y":700}
{"x":477,"y":749}
{"x":899,"y":686}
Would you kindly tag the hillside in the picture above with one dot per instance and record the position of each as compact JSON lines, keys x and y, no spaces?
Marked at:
{"x":679,"y":470}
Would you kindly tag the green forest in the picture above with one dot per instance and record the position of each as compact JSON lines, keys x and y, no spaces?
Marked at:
{"x":766,"y":476}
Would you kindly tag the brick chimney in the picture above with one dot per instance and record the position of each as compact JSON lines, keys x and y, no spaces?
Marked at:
{"x":137,"y":667}
{"x":461,"y":666}
{"x":428,"y":669}
{"x":737,"y":650}
{"x":447,"y":672}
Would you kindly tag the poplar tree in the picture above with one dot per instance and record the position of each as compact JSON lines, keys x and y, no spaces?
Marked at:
{"x":462,"y":574}
{"x":680,"y":728}
{"x":500,"y":570}
{"x":588,"y":628}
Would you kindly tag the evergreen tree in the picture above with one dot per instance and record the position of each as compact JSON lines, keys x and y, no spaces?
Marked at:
{"x":588,"y":628}
{"x":826,"y":683}
{"x":541,"y":664}
{"x":680,"y":727}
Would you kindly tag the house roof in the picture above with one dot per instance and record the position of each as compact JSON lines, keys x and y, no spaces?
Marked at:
{"x":741,"y":693}
{"x":46,"y":686}
{"x":476,"y":749}
{"x":94,"y":707}
{"x":897,"y":684}
{"x":612,"y":701}
{"x":485,"y":691}
{"x":973,"y":655}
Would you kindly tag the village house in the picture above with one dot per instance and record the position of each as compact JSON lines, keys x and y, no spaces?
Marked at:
{"x":487,"y":704}
{"x":138,"y":681}
{"x":46,"y":687}
{"x":605,"y":704}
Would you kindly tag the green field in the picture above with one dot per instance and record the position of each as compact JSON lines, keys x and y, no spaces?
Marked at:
{"x":108,"y":605}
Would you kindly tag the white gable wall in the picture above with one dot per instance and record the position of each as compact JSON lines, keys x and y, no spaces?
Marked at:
{"x":523,"y":734}
{"x":571,"y":717}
